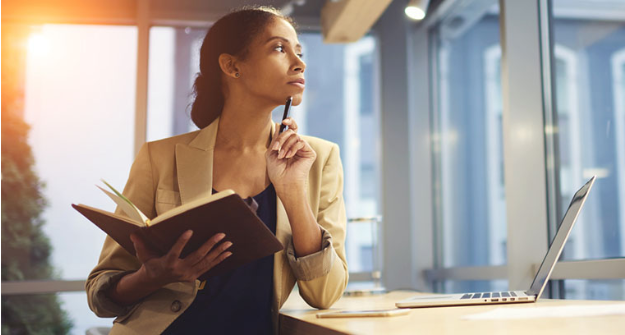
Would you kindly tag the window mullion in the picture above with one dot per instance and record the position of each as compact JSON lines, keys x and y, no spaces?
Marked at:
{"x":143,"y":50}
{"x":524,"y":141}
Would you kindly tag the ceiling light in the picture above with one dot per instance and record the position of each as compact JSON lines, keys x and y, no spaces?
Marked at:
{"x":416,"y":9}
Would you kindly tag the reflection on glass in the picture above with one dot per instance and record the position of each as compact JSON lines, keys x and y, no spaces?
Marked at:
{"x":589,"y":54}
{"x":613,"y":289}
{"x":467,"y":144}
{"x":339,"y":105}
{"x":362,"y":247}
{"x":588,"y":77}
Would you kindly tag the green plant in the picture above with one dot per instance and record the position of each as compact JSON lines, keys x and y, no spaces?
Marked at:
{"x":26,"y":249}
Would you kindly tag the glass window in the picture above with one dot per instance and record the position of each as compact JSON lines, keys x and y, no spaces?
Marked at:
{"x":595,"y":289}
{"x":80,"y":104}
{"x":469,"y":193}
{"x":78,"y":86}
{"x":340,"y":105}
{"x":174,"y":63}
{"x":589,"y":72}
{"x":31,"y":314}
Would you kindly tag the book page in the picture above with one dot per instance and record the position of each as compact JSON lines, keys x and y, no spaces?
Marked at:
{"x":133,"y":212}
{"x":113,"y":215}
{"x":195,"y":203}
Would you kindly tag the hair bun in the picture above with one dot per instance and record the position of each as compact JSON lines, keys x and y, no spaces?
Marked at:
{"x":201,"y":82}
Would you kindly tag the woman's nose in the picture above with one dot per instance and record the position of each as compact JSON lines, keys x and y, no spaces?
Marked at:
{"x":299,"y":66}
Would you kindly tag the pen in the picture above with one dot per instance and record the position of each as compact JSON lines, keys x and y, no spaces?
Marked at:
{"x":287,"y":108}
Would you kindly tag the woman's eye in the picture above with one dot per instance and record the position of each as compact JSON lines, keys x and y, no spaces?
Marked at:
{"x":282,"y":49}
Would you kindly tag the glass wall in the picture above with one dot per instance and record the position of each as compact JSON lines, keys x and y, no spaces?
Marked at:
{"x":584,"y":132}
{"x":612,"y":289}
{"x":80,"y":102}
{"x":467,"y":141}
{"x":174,"y":62}
{"x":588,"y":77}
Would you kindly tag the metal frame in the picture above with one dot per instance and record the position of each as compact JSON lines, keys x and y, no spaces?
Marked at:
{"x":42,"y":286}
{"x":143,"y":54}
{"x":590,"y":269}
{"x":524,"y":141}
{"x":421,"y":156}
{"x":399,"y":250}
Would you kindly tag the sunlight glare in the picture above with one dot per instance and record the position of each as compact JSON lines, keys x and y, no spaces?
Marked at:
{"x":38,"y":44}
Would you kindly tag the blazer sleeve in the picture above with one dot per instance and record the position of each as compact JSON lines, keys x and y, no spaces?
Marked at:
{"x":322,"y":276}
{"x":115,"y":261}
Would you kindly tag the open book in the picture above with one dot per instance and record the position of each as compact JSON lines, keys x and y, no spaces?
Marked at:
{"x":223,"y":212}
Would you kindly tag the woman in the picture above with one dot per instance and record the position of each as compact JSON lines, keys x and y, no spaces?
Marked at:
{"x":250,"y":62}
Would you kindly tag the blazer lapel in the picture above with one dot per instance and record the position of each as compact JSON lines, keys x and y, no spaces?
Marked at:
{"x":283,"y":234}
{"x":283,"y":227}
{"x":194,"y":162}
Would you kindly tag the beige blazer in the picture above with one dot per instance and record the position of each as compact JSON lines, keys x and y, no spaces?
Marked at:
{"x":176,"y":170}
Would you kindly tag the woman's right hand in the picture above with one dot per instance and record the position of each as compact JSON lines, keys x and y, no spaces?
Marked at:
{"x":162,"y":270}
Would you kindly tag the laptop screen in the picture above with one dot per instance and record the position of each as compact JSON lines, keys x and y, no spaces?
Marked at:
{"x":544,"y":272}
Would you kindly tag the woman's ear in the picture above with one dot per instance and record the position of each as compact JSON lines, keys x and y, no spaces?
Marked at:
{"x":228,"y":65}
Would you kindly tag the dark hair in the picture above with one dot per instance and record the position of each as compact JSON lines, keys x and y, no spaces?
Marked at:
{"x":232,"y":34}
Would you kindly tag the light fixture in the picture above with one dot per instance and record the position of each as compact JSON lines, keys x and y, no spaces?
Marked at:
{"x":416,"y":9}
{"x":287,"y":9}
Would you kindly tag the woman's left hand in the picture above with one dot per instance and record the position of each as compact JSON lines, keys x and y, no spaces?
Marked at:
{"x":289,"y":159}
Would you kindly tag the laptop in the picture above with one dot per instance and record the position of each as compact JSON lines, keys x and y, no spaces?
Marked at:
{"x":540,"y":280}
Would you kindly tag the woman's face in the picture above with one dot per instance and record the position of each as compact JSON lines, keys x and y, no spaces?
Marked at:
{"x":273,"y":68}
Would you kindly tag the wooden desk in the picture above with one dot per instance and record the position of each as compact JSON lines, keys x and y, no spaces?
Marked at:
{"x":296,"y":317}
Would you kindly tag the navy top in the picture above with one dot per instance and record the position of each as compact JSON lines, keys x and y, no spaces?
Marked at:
{"x":238,"y":302}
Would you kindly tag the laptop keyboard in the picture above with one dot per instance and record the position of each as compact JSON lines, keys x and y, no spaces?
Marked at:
{"x":494,"y":296}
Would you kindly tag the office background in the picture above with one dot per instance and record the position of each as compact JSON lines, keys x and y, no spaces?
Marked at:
{"x":463,"y":137}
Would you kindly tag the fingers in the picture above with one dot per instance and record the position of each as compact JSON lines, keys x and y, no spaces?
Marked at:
{"x":291,"y":123}
{"x":176,"y":249}
{"x":214,"y":257}
{"x":201,"y":252}
{"x":299,"y":145}
{"x":277,"y":141}
{"x":287,"y":144}
{"x":141,"y":250}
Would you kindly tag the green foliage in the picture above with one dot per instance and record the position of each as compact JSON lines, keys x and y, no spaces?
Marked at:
{"x":25,"y":248}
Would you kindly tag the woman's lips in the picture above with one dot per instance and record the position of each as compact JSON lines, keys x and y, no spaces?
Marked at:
{"x":298,"y":84}
{"x":301,"y":83}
